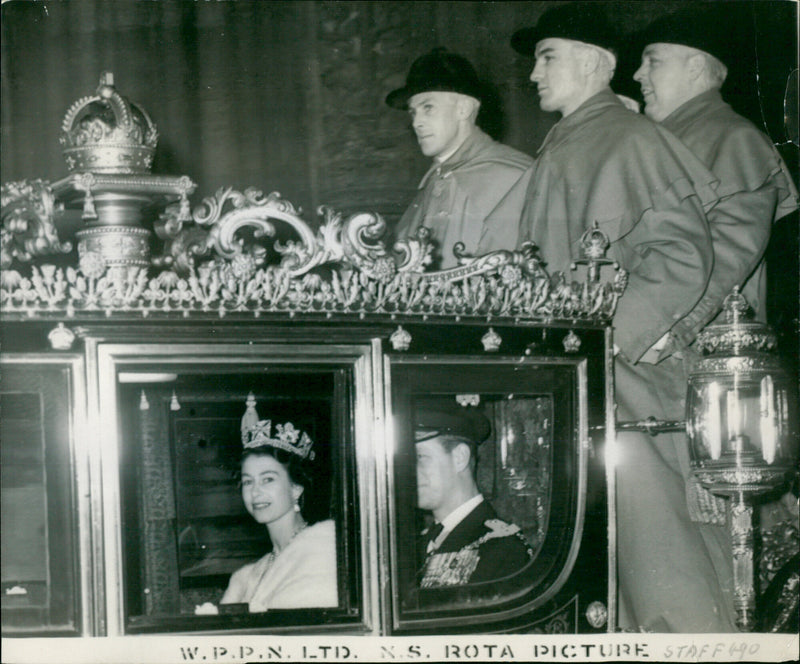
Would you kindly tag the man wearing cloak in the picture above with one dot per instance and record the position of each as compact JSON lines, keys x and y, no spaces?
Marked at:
{"x":602,"y":163}
{"x":683,"y":67}
{"x":684,"y":64}
{"x":474,"y":191}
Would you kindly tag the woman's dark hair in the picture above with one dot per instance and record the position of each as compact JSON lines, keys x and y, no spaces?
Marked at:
{"x":298,"y":469}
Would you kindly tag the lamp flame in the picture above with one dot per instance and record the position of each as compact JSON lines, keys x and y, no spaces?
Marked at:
{"x":714,"y":425}
{"x":768,"y":420}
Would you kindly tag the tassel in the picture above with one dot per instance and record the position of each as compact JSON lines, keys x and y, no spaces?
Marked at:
{"x":88,"y":207}
{"x":185,"y":213}
{"x":250,"y":417}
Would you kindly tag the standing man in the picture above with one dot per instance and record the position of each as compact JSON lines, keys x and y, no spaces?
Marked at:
{"x":475,"y":189}
{"x":603,"y":163}
{"x":683,"y":68}
{"x":467,"y":543}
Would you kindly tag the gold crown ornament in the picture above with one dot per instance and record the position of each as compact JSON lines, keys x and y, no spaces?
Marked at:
{"x":106,"y":133}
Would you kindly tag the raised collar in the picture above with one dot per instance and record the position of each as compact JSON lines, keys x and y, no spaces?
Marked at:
{"x":455,"y":517}
{"x":595,"y":105}
{"x":472,"y":146}
{"x":694,"y":108}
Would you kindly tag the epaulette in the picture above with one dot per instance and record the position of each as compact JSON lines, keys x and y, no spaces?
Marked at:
{"x":498,"y":528}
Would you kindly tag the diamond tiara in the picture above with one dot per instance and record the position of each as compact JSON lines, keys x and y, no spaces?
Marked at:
{"x":258,"y":433}
{"x":286,"y":437}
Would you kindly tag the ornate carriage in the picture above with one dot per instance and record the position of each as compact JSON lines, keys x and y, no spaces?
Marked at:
{"x":137,"y":329}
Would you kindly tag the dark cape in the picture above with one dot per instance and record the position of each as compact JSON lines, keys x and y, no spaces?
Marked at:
{"x":649,"y":194}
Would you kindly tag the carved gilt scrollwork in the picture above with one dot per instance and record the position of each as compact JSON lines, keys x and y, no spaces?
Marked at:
{"x":246,"y":252}
{"x":28,"y":214}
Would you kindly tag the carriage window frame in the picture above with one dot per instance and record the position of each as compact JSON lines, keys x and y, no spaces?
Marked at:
{"x":350,"y":509}
{"x":513,"y":610}
{"x":56,"y":380}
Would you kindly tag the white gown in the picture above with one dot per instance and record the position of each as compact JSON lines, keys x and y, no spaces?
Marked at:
{"x":303,"y":575}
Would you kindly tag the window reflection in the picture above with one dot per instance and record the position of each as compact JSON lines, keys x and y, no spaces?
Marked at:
{"x":24,"y":557}
{"x":39,"y":557}
{"x":516,"y":468}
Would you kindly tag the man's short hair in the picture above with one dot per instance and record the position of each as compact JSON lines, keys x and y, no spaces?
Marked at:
{"x":716,"y":72}
{"x":606,"y":63}
{"x":475,"y":106}
{"x":449,"y":442}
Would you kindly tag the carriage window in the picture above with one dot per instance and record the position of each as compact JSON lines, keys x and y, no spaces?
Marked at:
{"x":234,"y":487}
{"x":39,"y":557}
{"x":488,"y":488}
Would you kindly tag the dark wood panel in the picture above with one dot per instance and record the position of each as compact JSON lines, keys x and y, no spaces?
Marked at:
{"x":39,"y":554}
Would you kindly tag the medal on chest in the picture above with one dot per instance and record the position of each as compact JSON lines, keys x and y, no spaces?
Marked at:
{"x":453,"y":568}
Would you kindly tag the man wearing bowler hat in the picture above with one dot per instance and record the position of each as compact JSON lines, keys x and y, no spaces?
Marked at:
{"x":467,"y":542}
{"x":684,"y":65}
{"x":474,"y":191}
{"x":648,"y":193}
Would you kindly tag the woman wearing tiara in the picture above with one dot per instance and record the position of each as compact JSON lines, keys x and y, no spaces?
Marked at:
{"x":300,"y":571}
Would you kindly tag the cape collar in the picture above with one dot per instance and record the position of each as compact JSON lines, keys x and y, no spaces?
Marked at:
{"x":698,"y":105}
{"x":589,"y":109}
{"x":472,"y":145}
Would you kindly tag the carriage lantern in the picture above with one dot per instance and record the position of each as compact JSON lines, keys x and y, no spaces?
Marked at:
{"x":741,"y":424}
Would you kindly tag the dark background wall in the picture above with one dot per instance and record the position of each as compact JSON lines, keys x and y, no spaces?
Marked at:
{"x":288,"y":96}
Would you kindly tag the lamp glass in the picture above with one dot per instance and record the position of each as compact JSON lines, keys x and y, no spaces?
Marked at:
{"x":740,"y":425}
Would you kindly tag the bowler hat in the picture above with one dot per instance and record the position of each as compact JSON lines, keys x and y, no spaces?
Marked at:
{"x":442,"y":71}
{"x":444,"y":416}
{"x":579,"y":21}
{"x":719,"y":30}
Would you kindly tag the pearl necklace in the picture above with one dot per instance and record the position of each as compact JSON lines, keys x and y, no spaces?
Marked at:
{"x":269,"y":559}
{"x":296,"y":532}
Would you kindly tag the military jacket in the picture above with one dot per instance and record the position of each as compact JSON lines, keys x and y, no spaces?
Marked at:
{"x":474,"y":197}
{"x":482,"y":547}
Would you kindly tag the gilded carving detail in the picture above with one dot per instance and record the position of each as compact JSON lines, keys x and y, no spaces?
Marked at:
{"x":28,"y":212}
{"x":246,"y":253}
{"x":740,"y":480}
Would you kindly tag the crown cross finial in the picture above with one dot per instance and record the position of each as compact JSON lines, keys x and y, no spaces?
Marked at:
{"x":594,"y":244}
{"x":285,"y":437}
{"x":250,"y":417}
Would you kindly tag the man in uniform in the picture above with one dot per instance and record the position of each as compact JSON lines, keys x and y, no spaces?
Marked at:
{"x":467,"y":542}
{"x":474,"y":191}
{"x":603,"y":163}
